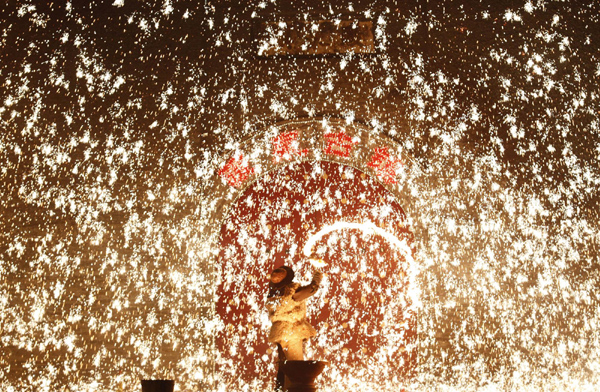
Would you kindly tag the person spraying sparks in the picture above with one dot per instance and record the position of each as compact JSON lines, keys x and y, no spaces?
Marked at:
{"x":287,"y":312}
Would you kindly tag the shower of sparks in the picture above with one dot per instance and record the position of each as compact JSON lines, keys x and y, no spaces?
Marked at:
{"x":115,"y":117}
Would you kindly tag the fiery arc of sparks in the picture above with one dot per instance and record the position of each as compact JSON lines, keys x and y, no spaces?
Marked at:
{"x":370,"y":228}
{"x":367,"y":228}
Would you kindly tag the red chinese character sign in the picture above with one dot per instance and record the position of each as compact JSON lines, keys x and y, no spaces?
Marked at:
{"x":299,"y":143}
{"x":286,"y":146}
{"x":385,"y":165}
{"x":339,"y":143}
{"x":236,"y":171}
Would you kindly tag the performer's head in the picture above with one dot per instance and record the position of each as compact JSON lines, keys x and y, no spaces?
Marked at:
{"x":278,"y":275}
{"x":281,"y":276}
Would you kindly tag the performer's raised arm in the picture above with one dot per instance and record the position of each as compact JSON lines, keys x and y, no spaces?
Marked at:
{"x":306,"y":291}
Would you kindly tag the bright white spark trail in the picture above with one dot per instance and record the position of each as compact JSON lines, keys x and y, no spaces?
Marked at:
{"x":367,"y":228}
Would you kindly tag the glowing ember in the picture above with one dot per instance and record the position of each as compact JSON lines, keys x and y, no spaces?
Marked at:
{"x":317,"y":263}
